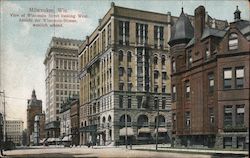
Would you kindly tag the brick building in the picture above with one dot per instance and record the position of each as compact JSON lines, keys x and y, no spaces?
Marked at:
{"x":74,"y":120}
{"x":210,"y":82}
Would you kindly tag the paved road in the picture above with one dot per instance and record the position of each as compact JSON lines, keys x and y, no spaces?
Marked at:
{"x":94,"y":153}
{"x":105,"y":152}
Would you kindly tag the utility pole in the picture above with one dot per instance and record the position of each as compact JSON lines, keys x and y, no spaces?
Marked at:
{"x":4,"y":117}
{"x":126,"y":126}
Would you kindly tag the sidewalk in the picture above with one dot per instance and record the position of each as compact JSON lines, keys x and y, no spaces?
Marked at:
{"x":201,"y":151}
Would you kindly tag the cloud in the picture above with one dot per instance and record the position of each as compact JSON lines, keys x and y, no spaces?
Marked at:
{"x":8,"y":7}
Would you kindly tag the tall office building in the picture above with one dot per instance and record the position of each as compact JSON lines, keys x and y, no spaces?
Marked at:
{"x":61,"y":64}
{"x":124,"y":78}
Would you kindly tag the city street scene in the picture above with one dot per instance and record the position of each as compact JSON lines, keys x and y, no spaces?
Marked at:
{"x":142,"y":78}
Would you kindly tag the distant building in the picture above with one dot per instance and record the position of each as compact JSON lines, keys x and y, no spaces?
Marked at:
{"x":210,"y":82}
{"x":34,"y":107}
{"x":61,"y":65}
{"x":14,"y":129}
{"x":39,"y":134}
{"x":74,"y":119}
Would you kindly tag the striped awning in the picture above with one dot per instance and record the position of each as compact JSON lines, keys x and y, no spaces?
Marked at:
{"x":144,"y":130}
{"x":161,"y":130}
{"x":130,"y":131}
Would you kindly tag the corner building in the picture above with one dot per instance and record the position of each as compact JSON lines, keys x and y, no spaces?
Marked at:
{"x":210,"y":82}
{"x":124,"y":78}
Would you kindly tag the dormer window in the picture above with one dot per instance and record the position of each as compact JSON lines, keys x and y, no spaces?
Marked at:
{"x":233,"y":41}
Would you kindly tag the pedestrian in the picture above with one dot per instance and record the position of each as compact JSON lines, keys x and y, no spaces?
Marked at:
{"x":1,"y":148}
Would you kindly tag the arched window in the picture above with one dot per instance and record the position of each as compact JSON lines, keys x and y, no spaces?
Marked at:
{"x":155,"y":60}
{"x":122,"y":120}
{"x":233,"y":41}
{"x":103,"y":119}
{"x":120,"y":55}
{"x":173,"y":66}
{"x":161,"y":120}
{"x":163,"y":60}
{"x":109,"y":118}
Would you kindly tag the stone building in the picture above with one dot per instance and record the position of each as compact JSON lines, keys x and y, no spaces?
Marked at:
{"x":14,"y":129}
{"x":61,"y":62}
{"x":124,"y":78}
{"x":210,"y":82}
{"x":74,"y":120}
{"x":39,"y":134}
{"x":34,"y":107}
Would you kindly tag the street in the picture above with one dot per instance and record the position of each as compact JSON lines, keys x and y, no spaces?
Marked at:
{"x":108,"y":152}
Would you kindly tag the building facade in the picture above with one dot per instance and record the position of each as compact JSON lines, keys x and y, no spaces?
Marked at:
{"x":74,"y":120}
{"x":124,"y":78}
{"x":14,"y":129}
{"x":34,"y":107}
{"x":39,"y":134}
{"x":61,"y":62}
{"x":65,"y":121}
{"x":210,"y":82}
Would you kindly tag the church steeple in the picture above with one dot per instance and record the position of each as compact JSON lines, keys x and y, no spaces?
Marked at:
{"x":237,"y":14}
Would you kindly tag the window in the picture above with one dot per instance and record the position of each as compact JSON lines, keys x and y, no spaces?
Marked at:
{"x":164,"y":75}
{"x":174,"y":120}
{"x":129,"y":56}
{"x":164,"y":89}
{"x":129,"y":72}
{"x":173,"y":93}
{"x":240,"y":142}
{"x":227,"y":75}
{"x":155,"y":60}
{"x":227,"y":142}
{"x":211,"y":116}
{"x":156,"y":74}
{"x":208,"y":54}
{"x":130,"y":87}
{"x":139,"y":101}
{"x":158,"y":37}
{"x":187,"y":85}
{"x":239,"y":73}
{"x":156,"y":88}
{"x":120,"y":101}
{"x":163,"y":106}
{"x":173,"y":66}
{"x":187,"y":119}
{"x":141,"y":33}
{"x":233,"y":41}
{"x":120,"y":71}
{"x":228,"y":116}
{"x":156,"y":103}
{"x":240,"y":111}
{"x":163,"y":60}
{"x":129,"y":102}
{"x":189,"y":58}
{"x":121,"y":86}
{"x":124,"y":32}
{"x":120,"y":55}
{"x":109,"y":35}
{"x":211,"y":82}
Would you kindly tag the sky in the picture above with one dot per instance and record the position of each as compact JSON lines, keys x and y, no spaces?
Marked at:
{"x":23,"y":47}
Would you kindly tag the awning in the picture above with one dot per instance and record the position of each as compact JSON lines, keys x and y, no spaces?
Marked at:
{"x":144,"y":130}
{"x":130,"y":131}
{"x":53,"y":140}
{"x":161,"y":130}
{"x":42,"y":140}
{"x":67,"y":138}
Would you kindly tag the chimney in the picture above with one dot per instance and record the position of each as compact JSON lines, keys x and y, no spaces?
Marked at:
{"x":237,"y":14}
{"x":199,"y":22}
